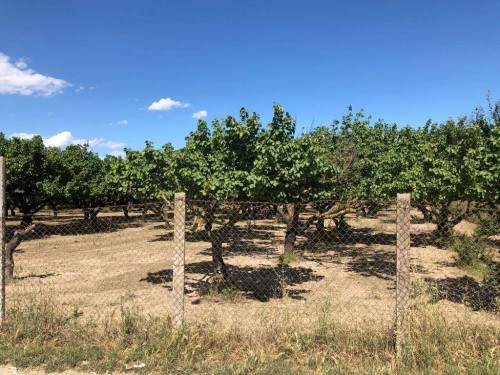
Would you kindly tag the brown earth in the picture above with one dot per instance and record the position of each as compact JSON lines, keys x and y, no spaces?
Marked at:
{"x":128,"y":264}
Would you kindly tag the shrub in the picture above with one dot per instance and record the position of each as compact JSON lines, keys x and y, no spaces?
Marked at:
{"x":473,"y":252}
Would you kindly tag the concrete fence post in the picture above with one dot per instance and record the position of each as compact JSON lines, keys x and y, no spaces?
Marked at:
{"x":403,"y":281}
{"x":179,"y":258}
{"x":3,"y":209}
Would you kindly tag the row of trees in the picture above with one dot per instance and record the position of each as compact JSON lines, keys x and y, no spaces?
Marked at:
{"x":239,"y":159}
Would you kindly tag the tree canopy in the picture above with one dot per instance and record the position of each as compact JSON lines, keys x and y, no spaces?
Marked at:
{"x":238,"y":158}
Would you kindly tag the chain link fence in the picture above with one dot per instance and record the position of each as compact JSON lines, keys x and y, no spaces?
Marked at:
{"x":249,"y":264}
{"x":456,"y":260}
{"x":93,"y":262}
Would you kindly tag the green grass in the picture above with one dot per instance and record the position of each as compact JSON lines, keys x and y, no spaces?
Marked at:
{"x":39,"y":334}
{"x":289,"y":257}
{"x":474,"y":253}
{"x":227,"y":291}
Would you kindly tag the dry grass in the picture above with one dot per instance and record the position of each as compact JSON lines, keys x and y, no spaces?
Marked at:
{"x":40,"y":334}
{"x":97,"y":299}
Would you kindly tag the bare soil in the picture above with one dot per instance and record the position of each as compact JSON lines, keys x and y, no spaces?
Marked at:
{"x":97,"y":270}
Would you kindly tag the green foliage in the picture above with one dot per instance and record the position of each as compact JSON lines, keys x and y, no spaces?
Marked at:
{"x":147,"y":175}
{"x":31,"y":173}
{"x":240,"y":159}
{"x":473,"y":252}
{"x":84,"y":182}
{"x":217,"y":161}
{"x":286,"y":168}
{"x":287,"y":258}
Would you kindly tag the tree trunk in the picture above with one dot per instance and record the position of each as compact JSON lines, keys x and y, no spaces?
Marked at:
{"x":144,"y":212}
{"x":54,"y":209}
{"x":320,"y":226}
{"x":425,"y":212}
{"x":220,"y":275}
{"x":125,"y":212}
{"x":12,"y":212}
{"x":93,"y":216}
{"x":90,"y":215}
{"x":292,"y":227}
{"x":12,"y":245}
{"x":27,"y":218}
{"x":208,"y":227}
{"x":341,"y":224}
{"x":443,"y":225}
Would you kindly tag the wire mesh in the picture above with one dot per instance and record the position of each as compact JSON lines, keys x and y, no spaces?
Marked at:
{"x":94,"y":261}
{"x":254,"y":263}
{"x":248,"y":262}
{"x":456,"y":257}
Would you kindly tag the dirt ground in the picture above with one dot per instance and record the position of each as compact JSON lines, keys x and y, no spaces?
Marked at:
{"x":97,"y":270}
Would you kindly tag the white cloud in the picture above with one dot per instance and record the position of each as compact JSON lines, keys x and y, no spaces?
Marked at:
{"x":62,"y":140}
{"x":79,"y":89}
{"x":117,"y":153}
{"x":200,"y":114}
{"x":121,"y":122}
{"x":22,"y":135}
{"x":17,"y":79}
{"x":113,"y":145}
{"x":65,"y":138}
{"x":166,"y":104}
{"x":21,"y":63}
{"x":99,"y":142}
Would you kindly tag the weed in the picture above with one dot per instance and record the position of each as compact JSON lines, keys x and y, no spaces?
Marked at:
{"x":38,"y":333}
{"x":288,"y":257}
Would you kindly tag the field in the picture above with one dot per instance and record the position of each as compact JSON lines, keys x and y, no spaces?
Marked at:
{"x":96,"y":296}
{"x":98,"y":270}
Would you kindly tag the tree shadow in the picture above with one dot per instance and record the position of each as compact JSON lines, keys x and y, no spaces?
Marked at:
{"x":343,"y":248}
{"x":34,"y":276}
{"x":464,"y":290}
{"x":334,"y":239}
{"x":379,"y":263}
{"x":234,"y":235}
{"x":259,"y":283}
{"x":78,"y":226}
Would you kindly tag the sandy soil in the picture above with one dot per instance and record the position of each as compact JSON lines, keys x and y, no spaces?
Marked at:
{"x":128,"y":263}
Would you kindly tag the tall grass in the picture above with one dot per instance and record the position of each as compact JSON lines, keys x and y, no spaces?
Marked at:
{"x":39,"y":333}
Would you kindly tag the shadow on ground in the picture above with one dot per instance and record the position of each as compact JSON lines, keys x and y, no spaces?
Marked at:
{"x":260,"y":283}
{"x":464,"y":290}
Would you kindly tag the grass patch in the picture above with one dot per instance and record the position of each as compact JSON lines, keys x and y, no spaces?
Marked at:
{"x":227,"y":291}
{"x":39,"y":334}
{"x":474,"y":253}
{"x":288,"y":257}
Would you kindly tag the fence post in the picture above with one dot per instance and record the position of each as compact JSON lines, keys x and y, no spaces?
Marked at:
{"x":179,"y":258}
{"x":3,"y":208}
{"x":403,"y":282}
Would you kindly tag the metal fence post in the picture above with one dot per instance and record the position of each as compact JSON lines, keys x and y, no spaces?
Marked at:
{"x":3,"y":208}
{"x":403,"y":282}
{"x":179,"y":258}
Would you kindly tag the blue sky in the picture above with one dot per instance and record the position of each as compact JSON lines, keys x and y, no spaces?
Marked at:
{"x":90,"y":70}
